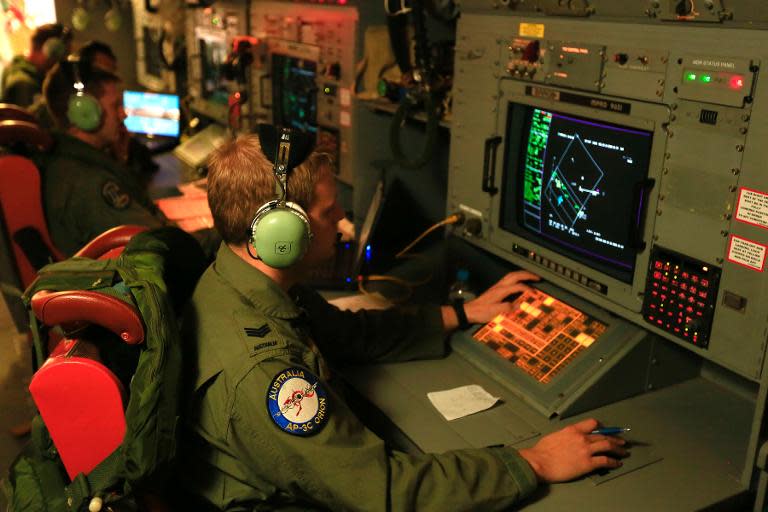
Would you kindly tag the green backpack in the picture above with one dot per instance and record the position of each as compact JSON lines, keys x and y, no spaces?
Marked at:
{"x":156,"y":273}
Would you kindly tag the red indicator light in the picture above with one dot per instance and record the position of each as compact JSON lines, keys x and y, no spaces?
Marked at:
{"x":736,"y":82}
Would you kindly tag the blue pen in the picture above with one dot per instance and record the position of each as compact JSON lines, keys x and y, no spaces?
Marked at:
{"x":610,"y":431}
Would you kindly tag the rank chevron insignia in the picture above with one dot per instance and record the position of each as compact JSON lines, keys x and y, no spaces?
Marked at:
{"x":257,"y":332}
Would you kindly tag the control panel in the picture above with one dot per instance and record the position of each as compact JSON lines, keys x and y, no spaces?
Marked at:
{"x":680,"y":296}
{"x":209,"y":35}
{"x":306,"y":79}
{"x":152,"y":70}
{"x":616,"y":148}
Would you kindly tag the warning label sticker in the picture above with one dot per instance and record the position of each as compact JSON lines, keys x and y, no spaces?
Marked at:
{"x":752,"y":207}
{"x":746,"y":253}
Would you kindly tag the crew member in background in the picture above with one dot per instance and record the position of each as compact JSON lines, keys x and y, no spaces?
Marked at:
{"x":85,"y":190}
{"x":268,"y":427}
{"x":138,"y":159}
{"x":134,"y":154}
{"x":23,"y":78}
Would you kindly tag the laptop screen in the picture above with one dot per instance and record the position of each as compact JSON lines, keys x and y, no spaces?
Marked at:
{"x":152,"y":113}
{"x":369,"y":225}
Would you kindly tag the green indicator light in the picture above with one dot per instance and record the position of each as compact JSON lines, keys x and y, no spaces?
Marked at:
{"x":706,"y":78}
{"x":690,"y":77}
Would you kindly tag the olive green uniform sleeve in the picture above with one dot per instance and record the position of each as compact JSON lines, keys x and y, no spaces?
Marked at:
{"x":86,"y":194}
{"x":86,"y":214}
{"x":395,"y":334}
{"x":22,"y":83}
{"x":346,"y":467}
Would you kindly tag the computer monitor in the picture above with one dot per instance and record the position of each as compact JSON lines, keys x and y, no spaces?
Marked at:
{"x":152,"y":114}
{"x":576,"y":186}
{"x":294,"y":92}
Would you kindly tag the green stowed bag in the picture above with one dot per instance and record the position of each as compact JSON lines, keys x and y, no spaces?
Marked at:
{"x":156,"y":273}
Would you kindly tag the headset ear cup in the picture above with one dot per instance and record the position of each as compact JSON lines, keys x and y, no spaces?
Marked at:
{"x":280,"y":234}
{"x":84,"y":112}
{"x":54,"y":49}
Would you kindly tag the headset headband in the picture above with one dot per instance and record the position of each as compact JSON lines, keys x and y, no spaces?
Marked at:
{"x":285,"y":148}
{"x":74,"y":63}
{"x":282,"y":157}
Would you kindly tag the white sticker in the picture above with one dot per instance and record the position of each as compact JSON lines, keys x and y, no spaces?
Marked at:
{"x":746,"y":253}
{"x":345,"y":118}
{"x":345,"y":97}
{"x":752,"y":207}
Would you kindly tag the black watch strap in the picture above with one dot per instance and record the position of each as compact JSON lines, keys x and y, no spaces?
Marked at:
{"x":458,"y":307}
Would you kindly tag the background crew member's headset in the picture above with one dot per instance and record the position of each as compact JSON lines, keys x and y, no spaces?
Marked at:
{"x":83,"y":109}
{"x":280,"y":231}
{"x":54,"y":48}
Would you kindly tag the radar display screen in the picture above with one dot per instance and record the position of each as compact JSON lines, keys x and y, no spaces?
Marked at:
{"x":541,"y":335}
{"x":575,"y":185}
{"x":294,"y":92}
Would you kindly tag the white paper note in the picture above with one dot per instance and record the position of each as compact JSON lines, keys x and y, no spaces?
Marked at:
{"x":462,"y":401}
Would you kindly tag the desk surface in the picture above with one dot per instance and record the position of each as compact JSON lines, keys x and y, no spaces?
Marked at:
{"x":689,"y":439}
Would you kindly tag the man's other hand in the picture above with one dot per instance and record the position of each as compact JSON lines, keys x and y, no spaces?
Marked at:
{"x":572,"y":452}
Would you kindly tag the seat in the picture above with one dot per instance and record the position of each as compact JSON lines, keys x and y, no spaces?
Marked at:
{"x":24,"y":220}
{"x":21,"y":202}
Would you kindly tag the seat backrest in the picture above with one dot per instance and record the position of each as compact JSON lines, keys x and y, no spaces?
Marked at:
{"x":11,"y":112}
{"x":22,"y":211}
{"x":110,"y":244}
{"x":79,"y":399}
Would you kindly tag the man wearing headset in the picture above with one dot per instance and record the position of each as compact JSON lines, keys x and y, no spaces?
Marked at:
{"x":268,"y":426}
{"x":23,"y":79}
{"x":86,"y":191}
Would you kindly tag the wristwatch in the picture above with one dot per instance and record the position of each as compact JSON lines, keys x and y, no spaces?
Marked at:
{"x":461,"y":315}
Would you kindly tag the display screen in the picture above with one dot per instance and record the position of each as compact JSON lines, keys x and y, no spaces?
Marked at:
{"x":576,"y":186}
{"x":213,"y":53}
{"x":151,"y":113}
{"x":294,"y":92}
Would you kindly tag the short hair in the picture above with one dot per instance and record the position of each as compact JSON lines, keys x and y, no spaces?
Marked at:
{"x":59,"y":85}
{"x":89,"y":50}
{"x":46,"y":32}
{"x":241,"y":180}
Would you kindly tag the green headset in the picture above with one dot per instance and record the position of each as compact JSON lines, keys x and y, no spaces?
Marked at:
{"x":280,"y":231}
{"x":54,"y":48}
{"x":83,"y":109}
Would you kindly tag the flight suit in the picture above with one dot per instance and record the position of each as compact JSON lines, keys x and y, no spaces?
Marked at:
{"x":242,"y":450}
{"x":22,"y":82}
{"x":86,"y":192}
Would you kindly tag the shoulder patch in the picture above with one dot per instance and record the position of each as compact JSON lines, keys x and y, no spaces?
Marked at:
{"x":115,"y":196}
{"x":297,"y":402}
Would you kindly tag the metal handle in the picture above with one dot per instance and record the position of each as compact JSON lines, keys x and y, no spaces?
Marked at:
{"x":639,"y":205}
{"x":489,"y":164}
{"x":262,"y":80}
